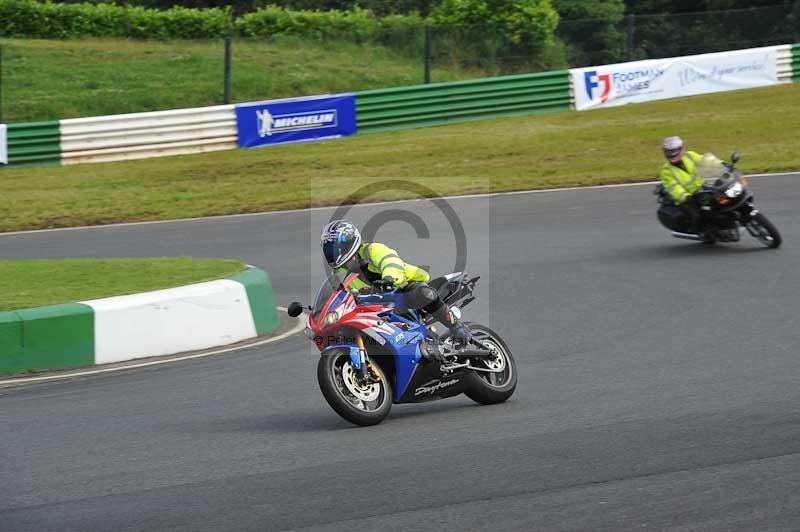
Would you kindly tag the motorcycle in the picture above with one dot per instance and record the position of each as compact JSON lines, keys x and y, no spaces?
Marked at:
{"x":725,"y":205}
{"x":375,"y":353}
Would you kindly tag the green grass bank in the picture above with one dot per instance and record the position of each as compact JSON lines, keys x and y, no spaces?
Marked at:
{"x":36,"y":283}
{"x":568,"y":149}
{"x":53,"y":80}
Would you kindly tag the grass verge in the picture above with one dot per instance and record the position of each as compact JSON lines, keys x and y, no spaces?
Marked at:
{"x":51,"y":80}
{"x":35,"y":283}
{"x":614,"y":145}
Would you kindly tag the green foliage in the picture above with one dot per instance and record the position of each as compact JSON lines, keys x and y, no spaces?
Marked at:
{"x":26,"y":18}
{"x":592,"y":31}
{"x":379,"y":7}
{"x":502,"y":35}
{"x":528,"y":23}
{"x":357,"y":24}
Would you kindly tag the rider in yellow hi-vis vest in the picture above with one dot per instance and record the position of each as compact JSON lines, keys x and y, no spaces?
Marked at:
{"x":381,"y":261}
{"x":344,"y":251}
{"x":680,"y":181}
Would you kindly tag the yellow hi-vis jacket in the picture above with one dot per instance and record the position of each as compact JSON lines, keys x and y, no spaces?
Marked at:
{"x":680,"y":183}
{"x":382,"y":261}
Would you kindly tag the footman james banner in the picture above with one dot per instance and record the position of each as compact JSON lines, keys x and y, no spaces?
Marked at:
{"x":296,"y":120}
{"x":3,"y":145}
{"x":659,"y":79}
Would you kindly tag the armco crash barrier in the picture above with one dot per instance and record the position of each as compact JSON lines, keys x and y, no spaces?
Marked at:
{"x":34,"y":142}
{"x":116,"y":329}
{"x":145,"y":135}
{"x":459,"y":101}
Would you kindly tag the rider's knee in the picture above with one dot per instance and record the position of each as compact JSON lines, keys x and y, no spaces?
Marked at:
{"x":423,"y":295}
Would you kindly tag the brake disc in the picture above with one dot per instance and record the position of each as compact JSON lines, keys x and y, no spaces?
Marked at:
{"x":362,"y":391}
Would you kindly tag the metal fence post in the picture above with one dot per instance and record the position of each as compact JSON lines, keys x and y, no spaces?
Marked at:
{"x":631,"y":28}
{"x":227,"y":70}
{"x":427,"y":54}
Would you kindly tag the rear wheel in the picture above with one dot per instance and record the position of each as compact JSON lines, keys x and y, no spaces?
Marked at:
{"x":359,"y":402}
{"x":760,"y":227}
{"x":497,"y":384}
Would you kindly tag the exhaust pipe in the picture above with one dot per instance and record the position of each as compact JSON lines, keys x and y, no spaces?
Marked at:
{"x":475,"y":353}
{"x":687,"y":236}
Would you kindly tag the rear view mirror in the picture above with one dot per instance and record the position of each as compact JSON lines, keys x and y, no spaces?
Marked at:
{"x":295,"y":309}
{"x":735,"y":157}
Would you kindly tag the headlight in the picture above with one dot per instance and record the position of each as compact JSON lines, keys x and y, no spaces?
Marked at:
{"x":734,"y":191}
{"x":331,"y":318}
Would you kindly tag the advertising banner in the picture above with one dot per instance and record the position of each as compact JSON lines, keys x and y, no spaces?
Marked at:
{"x":659,"y":79}
{"x":296,"y":120}
{"x":3,"y":144}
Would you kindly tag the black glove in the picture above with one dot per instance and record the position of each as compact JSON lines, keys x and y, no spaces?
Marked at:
{"x":387,"y":283}
{"x":699,"y":198}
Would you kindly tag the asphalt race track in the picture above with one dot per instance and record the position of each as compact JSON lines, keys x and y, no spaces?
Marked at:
{"x":659,"y":388}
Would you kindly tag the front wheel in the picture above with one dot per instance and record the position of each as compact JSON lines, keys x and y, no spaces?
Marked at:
{"x":359,"y":402}
{"x":499,"y":382}
{"x":760,"y":227}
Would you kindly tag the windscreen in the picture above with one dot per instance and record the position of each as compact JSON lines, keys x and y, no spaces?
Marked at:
{"x":710,"y":168}
{"x":324,"y":292}
{"x":332,"y":283}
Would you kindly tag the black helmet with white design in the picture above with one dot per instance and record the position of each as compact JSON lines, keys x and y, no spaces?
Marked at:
{"x":340,"y":240}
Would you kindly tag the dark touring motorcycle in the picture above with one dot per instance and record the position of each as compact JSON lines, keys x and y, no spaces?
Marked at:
{"x":725,"y":205}
{"x":375,"y":353}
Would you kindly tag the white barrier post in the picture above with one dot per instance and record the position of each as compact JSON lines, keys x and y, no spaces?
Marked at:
{"x":3,"y":144}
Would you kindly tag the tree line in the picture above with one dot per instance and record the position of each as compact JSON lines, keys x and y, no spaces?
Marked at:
{"x":512,"y":35}
{"x":568,"y":9}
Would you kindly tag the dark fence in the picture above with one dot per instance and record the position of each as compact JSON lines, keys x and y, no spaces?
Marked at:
{"x":633,"y":37}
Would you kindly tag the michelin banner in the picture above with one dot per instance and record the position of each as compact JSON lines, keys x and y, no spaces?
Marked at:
{"x":296,"y":120}
{"x":3,"y":144}
{"x":659,"y":79}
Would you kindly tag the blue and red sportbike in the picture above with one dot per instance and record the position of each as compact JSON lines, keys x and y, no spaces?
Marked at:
{"x":375,"y":353}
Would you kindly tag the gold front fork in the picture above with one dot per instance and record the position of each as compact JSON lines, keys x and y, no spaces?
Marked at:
{"x":364,"y":363}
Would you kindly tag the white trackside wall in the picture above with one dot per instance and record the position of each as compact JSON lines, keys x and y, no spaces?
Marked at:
{"x":144,"y":135}
{"x":170,"y":321}
{"x":3,"y":144}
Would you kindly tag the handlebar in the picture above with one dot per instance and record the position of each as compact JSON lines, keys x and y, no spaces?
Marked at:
{"x":384,"y":285}
{"x":377,"y":288}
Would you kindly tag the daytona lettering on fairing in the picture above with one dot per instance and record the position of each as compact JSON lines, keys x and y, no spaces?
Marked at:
{"x":435,"y":386}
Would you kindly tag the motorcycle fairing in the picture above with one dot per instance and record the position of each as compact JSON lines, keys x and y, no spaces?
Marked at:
{"x":428,"y":383}
{"x":355,"y":356}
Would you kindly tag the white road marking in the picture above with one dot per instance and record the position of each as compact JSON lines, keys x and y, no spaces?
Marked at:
{"x":26,"y":380}
{"x":331,"y":207}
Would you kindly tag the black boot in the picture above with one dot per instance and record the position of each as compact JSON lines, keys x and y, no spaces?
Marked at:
{"x":458,"y":331}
